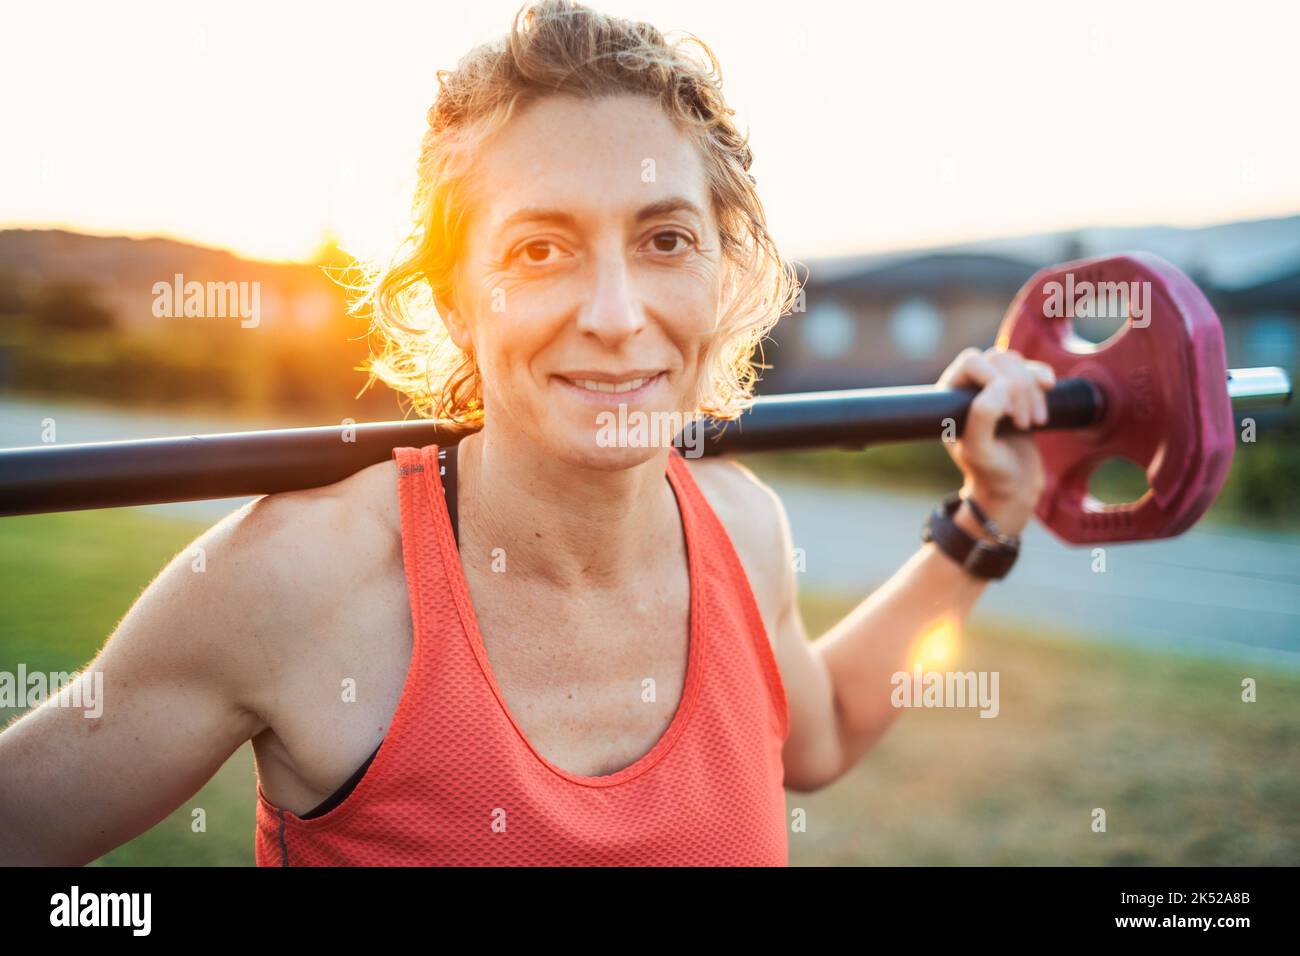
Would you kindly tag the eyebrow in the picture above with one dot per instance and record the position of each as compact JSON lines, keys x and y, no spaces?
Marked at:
{"x":655,"y":209}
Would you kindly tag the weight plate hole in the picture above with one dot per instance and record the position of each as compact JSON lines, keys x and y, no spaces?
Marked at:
{"x":1103,"y":320}
{"x":1118,"y":481}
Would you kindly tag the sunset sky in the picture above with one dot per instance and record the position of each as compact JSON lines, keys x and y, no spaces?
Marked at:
{"x":259,"y":126}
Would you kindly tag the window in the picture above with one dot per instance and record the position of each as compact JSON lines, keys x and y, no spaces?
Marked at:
{"x":829,"y":329}
{"x":916,"y":328}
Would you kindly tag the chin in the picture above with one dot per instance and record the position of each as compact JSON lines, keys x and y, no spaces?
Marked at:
{"x":609,"y":432}
{"x":582,"y":444}
{"x":584,"y":440}
{"x":595,"y":458}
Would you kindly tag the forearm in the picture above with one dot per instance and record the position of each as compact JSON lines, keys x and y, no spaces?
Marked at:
{"x":880,"y":637}
{"x":856,"y":660}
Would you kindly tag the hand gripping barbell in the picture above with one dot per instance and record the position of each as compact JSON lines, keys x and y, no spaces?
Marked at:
{"x":1158,"y":392}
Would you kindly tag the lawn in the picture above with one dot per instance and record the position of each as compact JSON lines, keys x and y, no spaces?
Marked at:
{"x":1186,"y":772}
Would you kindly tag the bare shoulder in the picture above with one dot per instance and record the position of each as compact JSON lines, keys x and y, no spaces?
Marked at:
{"x":363,"y":503}
{"x":283,"y":571}
{"x":317,"y":539}
{"x":738,"y":496}
{"x":756,"y":522}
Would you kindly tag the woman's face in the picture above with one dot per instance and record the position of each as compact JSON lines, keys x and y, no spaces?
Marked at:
{"x":590,"y":276}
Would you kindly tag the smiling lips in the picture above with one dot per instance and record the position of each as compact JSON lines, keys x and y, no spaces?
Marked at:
{"x":595,"y":386}
{"x":628,"y":386}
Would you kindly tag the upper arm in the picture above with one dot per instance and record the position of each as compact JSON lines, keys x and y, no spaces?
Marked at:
{"x":180,"y":679}
{"x":756,"y":521}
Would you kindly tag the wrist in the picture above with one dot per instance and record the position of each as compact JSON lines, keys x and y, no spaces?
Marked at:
{"x":1009,"y":511}
{"x":966,"y":519}
{"x":972,"y":540}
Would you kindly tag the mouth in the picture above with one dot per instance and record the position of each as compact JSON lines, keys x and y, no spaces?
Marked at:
{"x":604,"y":389}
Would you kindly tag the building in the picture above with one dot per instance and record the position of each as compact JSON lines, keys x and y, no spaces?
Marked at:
{"x":899,"y":319}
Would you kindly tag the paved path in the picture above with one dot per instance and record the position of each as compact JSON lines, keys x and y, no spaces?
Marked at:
{"x":1217,"y":591}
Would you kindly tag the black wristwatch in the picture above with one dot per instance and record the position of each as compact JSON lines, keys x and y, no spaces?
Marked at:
{"x":983,"y":559}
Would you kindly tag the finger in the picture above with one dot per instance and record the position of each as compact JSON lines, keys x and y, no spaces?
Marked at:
{"x":1030,"y":396}
{"x":970,"y":367}
{"x":1039,"y":399}
{"x":990,"y":406}
{"x":1043,"y":373}
{"x":1042,"y":377}
{"x":1021,"y":388}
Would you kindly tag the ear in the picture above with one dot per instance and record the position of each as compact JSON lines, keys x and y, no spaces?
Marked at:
{"x":454,"y":322}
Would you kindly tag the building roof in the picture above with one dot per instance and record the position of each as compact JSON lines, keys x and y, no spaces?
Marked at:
{"x":1229,"y":258}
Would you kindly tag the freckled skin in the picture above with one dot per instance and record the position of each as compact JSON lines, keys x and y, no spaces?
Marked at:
{"x":610,"y":292}
{"x":305,"y":590}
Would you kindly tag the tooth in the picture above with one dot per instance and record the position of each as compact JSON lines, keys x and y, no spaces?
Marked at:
{"x":610,"y":387}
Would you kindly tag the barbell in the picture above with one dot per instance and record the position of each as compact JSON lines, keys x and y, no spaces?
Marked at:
{"x":1158,"y":393}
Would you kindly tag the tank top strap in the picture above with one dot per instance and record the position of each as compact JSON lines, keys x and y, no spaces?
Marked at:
{"x":428,"y":542}
{"x":723,"y":574}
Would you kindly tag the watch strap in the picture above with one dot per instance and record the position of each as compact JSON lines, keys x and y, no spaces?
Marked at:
{"x":983,"y":559}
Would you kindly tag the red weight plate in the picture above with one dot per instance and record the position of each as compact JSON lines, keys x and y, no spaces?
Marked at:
{"x":1164,"y":376}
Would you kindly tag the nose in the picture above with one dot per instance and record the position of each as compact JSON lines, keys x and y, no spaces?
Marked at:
{"x":613,"y":312}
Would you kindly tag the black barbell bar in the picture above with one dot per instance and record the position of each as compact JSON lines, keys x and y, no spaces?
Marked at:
{"x":49,"y":478}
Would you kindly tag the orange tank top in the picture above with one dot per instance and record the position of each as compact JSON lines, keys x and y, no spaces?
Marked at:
{"x":456,"y":783}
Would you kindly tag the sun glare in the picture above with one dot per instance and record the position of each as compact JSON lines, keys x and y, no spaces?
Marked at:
{"x":937,"y":646}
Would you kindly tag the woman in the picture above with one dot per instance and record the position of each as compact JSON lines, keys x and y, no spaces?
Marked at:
{"x":593,"y":655}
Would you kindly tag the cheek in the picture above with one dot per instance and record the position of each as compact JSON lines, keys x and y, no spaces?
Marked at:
{"x":688,"y":307}
{"x":517,"y":320}
{"x":506,"y":344}
{"x":508,"y":340}
{"x":685,"y":297}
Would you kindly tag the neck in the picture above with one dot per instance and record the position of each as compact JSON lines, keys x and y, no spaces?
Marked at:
{"x":572,"y":526}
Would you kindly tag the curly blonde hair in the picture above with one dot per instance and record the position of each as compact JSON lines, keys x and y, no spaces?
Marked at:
{"x":557,"y":46}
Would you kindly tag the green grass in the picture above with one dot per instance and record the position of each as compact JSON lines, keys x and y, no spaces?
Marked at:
{"x":69,"y":578}
{"x":66,"y":580}
{"x":1187,"y":773}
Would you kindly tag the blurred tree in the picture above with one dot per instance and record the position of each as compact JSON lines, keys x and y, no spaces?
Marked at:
{"x":74,"y":306}
{"x":15,"y":297}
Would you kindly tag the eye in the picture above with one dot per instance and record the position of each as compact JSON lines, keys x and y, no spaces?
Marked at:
{"x":538,"y":252}
{"x":670,"y":241}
